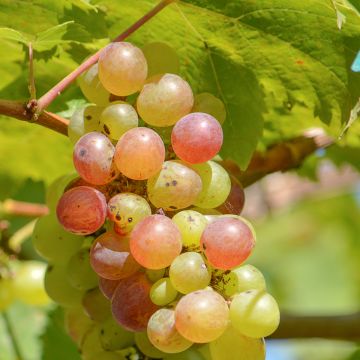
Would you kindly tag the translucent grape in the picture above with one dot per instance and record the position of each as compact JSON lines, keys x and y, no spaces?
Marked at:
{"x":118,"y":118}
{"x":196,"y":138}
{"x":92,"y":88}
{"x":126,"y":210}
{"x":163,"y":292}
{"x":163,"y":334}
{"x":201,"y":316}
{"x":110,"y":257}
{"x":242,"y":347}
{"x":176,"y":186}
{"x":191,"y":225}
{"x":209,"y":104}
{"x":189,"y":354}
{"x":155,"y":242}
{"x":6,"y":293}
{"x":164,"y":100}
{"x":96,"y":306}
{"x":227,"y":242}
{"x":235,"y":201}
{"x":188,"y":273}
{"x":122,"y":68}
{"x":139,"y":153}
{"x":114,"y":337}
{"x":154,"y":275}
{"x":254,"y":313}
{"x":93,"y":158}
{"x":131,"y":303}
{"x":161,"y":59}
{"x":216,"y":184}
{"x":146,"y":347}
{"x":82,"y":210}
{"x":91,"y":343}
{"x":108,"y":287}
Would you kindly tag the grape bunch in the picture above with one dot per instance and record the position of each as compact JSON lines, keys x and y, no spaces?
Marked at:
{"x":145,"y":242}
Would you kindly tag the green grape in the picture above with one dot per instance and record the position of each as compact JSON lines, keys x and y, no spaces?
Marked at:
{"x":233,"y":346}
{"x":188,"y":273}
{"x":189,"y":354}
{"x":96,"y":306}
{"x":191,"y":225}
{"x":6,"y":293}
{"x":208,"y":213}
{"x":79,"y":271}
{"x":254,"y":313}
{"x":146,"y":347}
{"x":58,"y":287}
{"x":92,"y":88}
{"x":204,"y":350}
{"x":52,"y":242}
{"x":91,"y":343}
{"x":163,"y":292}
{"x":209,"y":104}
{"x":106,"y":355}
{"x":216,"y":184}
{"x":154,"y":275}
{"x":113,"y":336}
{"x":117,"y":118}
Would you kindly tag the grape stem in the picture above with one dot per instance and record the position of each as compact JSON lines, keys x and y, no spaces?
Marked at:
{"x":11,"y":333}
{"x":16,"y":240}
{"x":32,"y":88}
{"x":21,"y":208}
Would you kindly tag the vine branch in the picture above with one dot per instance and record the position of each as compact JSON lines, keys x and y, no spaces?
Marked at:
{"x":21,"y":208}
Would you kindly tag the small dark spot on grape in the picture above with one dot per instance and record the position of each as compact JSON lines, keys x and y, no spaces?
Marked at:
{"x":118,"y":217}
{"x":204,"y":246}
{"x":78,"y":206}
{"x":113,"y":173}
{"x":130,"y":219}
{"x":173,"y":207}
{"x":190,"y":218}
{"x":88,"y":117}
{"x":227,"y":272}
{"x":82,"y":152}
{"x":106,"y":129}
{"x":174,"y":182}
{"x":167,"y":184}
{"x":102,"y":332}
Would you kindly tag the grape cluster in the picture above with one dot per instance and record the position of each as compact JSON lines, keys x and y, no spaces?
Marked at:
{"x":145,"y":242}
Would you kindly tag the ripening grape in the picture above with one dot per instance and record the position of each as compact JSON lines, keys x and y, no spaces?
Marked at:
{"x":209,"y":104}
{"x":108,"y":287}
{"x":114,"y":337}
{"x":202,"y":316}
{"x":164,"y":99}
{"x":110,"y":257}
{"x":191,"y":225}
{"x":235,"y":201}
{"x":91,"y":343}
{"x":126,"y":210}
{"x":216,"y":184}
{"x":82,"y":210}
{"x":163,"y":292}
{"x":176,"y":186}
{"x":117,"y":118}
{"x":131,"y":303}
{"x":254,"y":313}
{"x":189,"y":354}
{"x":196,"y":138}
{"x":95,"y":305}
{"x":233,"y":346}
{"x":139,"y":153}
{"x":161,"y":58}
{"x":163,"y":334}
{"x":6,"y":293}
{"x":227,"y":242}
{"x":154,"y":275}
{"x":93,"y":158}
{"x":146,"y":347}
{"x":92,"y":88}
{"x":188,"y":272}
{"x":155,"y":242}
{"x":122,"y":68}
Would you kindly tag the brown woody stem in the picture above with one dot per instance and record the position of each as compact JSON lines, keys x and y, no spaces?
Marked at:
{"x":21,"y":208}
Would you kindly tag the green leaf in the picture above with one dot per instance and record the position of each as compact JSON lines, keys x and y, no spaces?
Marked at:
{"x":11,"y":34}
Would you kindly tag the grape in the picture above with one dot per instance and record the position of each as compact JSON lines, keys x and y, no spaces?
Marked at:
{"x":110,"y":257}
{"x":126,"y":210}
{"x":82,"y":210}
{"x":216,"y":184}
{"x":227,"y":242}
{"x":6,"y":293}
{"x":163,"y":334}
{"x":52,"y":242}
{"x":189,"y":354}
{"x":139,"y":153}
{"x":96,"y":306}
{"x":188,"y":273}
{"x":131,"y":303}
{"x":146,"y":347}
{"x":254,"y":313}
{"x":209,"y":104}
{"x":164,"y":132}
{"x":122,"y":68}
{"x":176,"y":186}
{"x":92,"y":88}
{"x":108,"y":287}
{"x":191,"y":225}
{"x":163,"y":292}
{"x":204,"y":350}
{"x":155,"y":242}
{"x":115,"y":337}
{"x":235,"y":201}
{"x":164,"y":100}
{"x":233,"y":346}
{"x":106,"y":355}
{"x":28,"y":284}
{"x":161,"y":59}
{"x":154,"y":275}
{"x":208,"y":213}
{"x":201,"y":316}
{"x":197,"y":138}
{"x":118,"y":118}
{"x":93,"y":158}
{"x":80,"y":274}
{"x":58,"y":287}
{"x":91,"y":343}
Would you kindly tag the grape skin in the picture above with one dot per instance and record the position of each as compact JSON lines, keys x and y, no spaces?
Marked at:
{"x":95,"y":305}
{"x":146,"y":347}
{"x":235,"y":201}
{"x":209,"y":104}
{"x":114,"y":337}
{"x":163,"y":292}
{"x":108,"y":287}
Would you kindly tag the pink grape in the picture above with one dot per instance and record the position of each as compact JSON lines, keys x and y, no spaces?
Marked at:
{"x":196,"y":138}
{"x":139,"y":153}
{"x":110,"y":256}
{"x":82,"y":210}
{"x":155,"y":242}
{"x":236,"y":199}
{"x":108,"y":287}
{"x":93,"y":158}
{"x":131,"y":303}
{"x":227,"y":242}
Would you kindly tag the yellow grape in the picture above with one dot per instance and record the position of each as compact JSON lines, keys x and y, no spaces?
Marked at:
{"x":210,"y":104}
